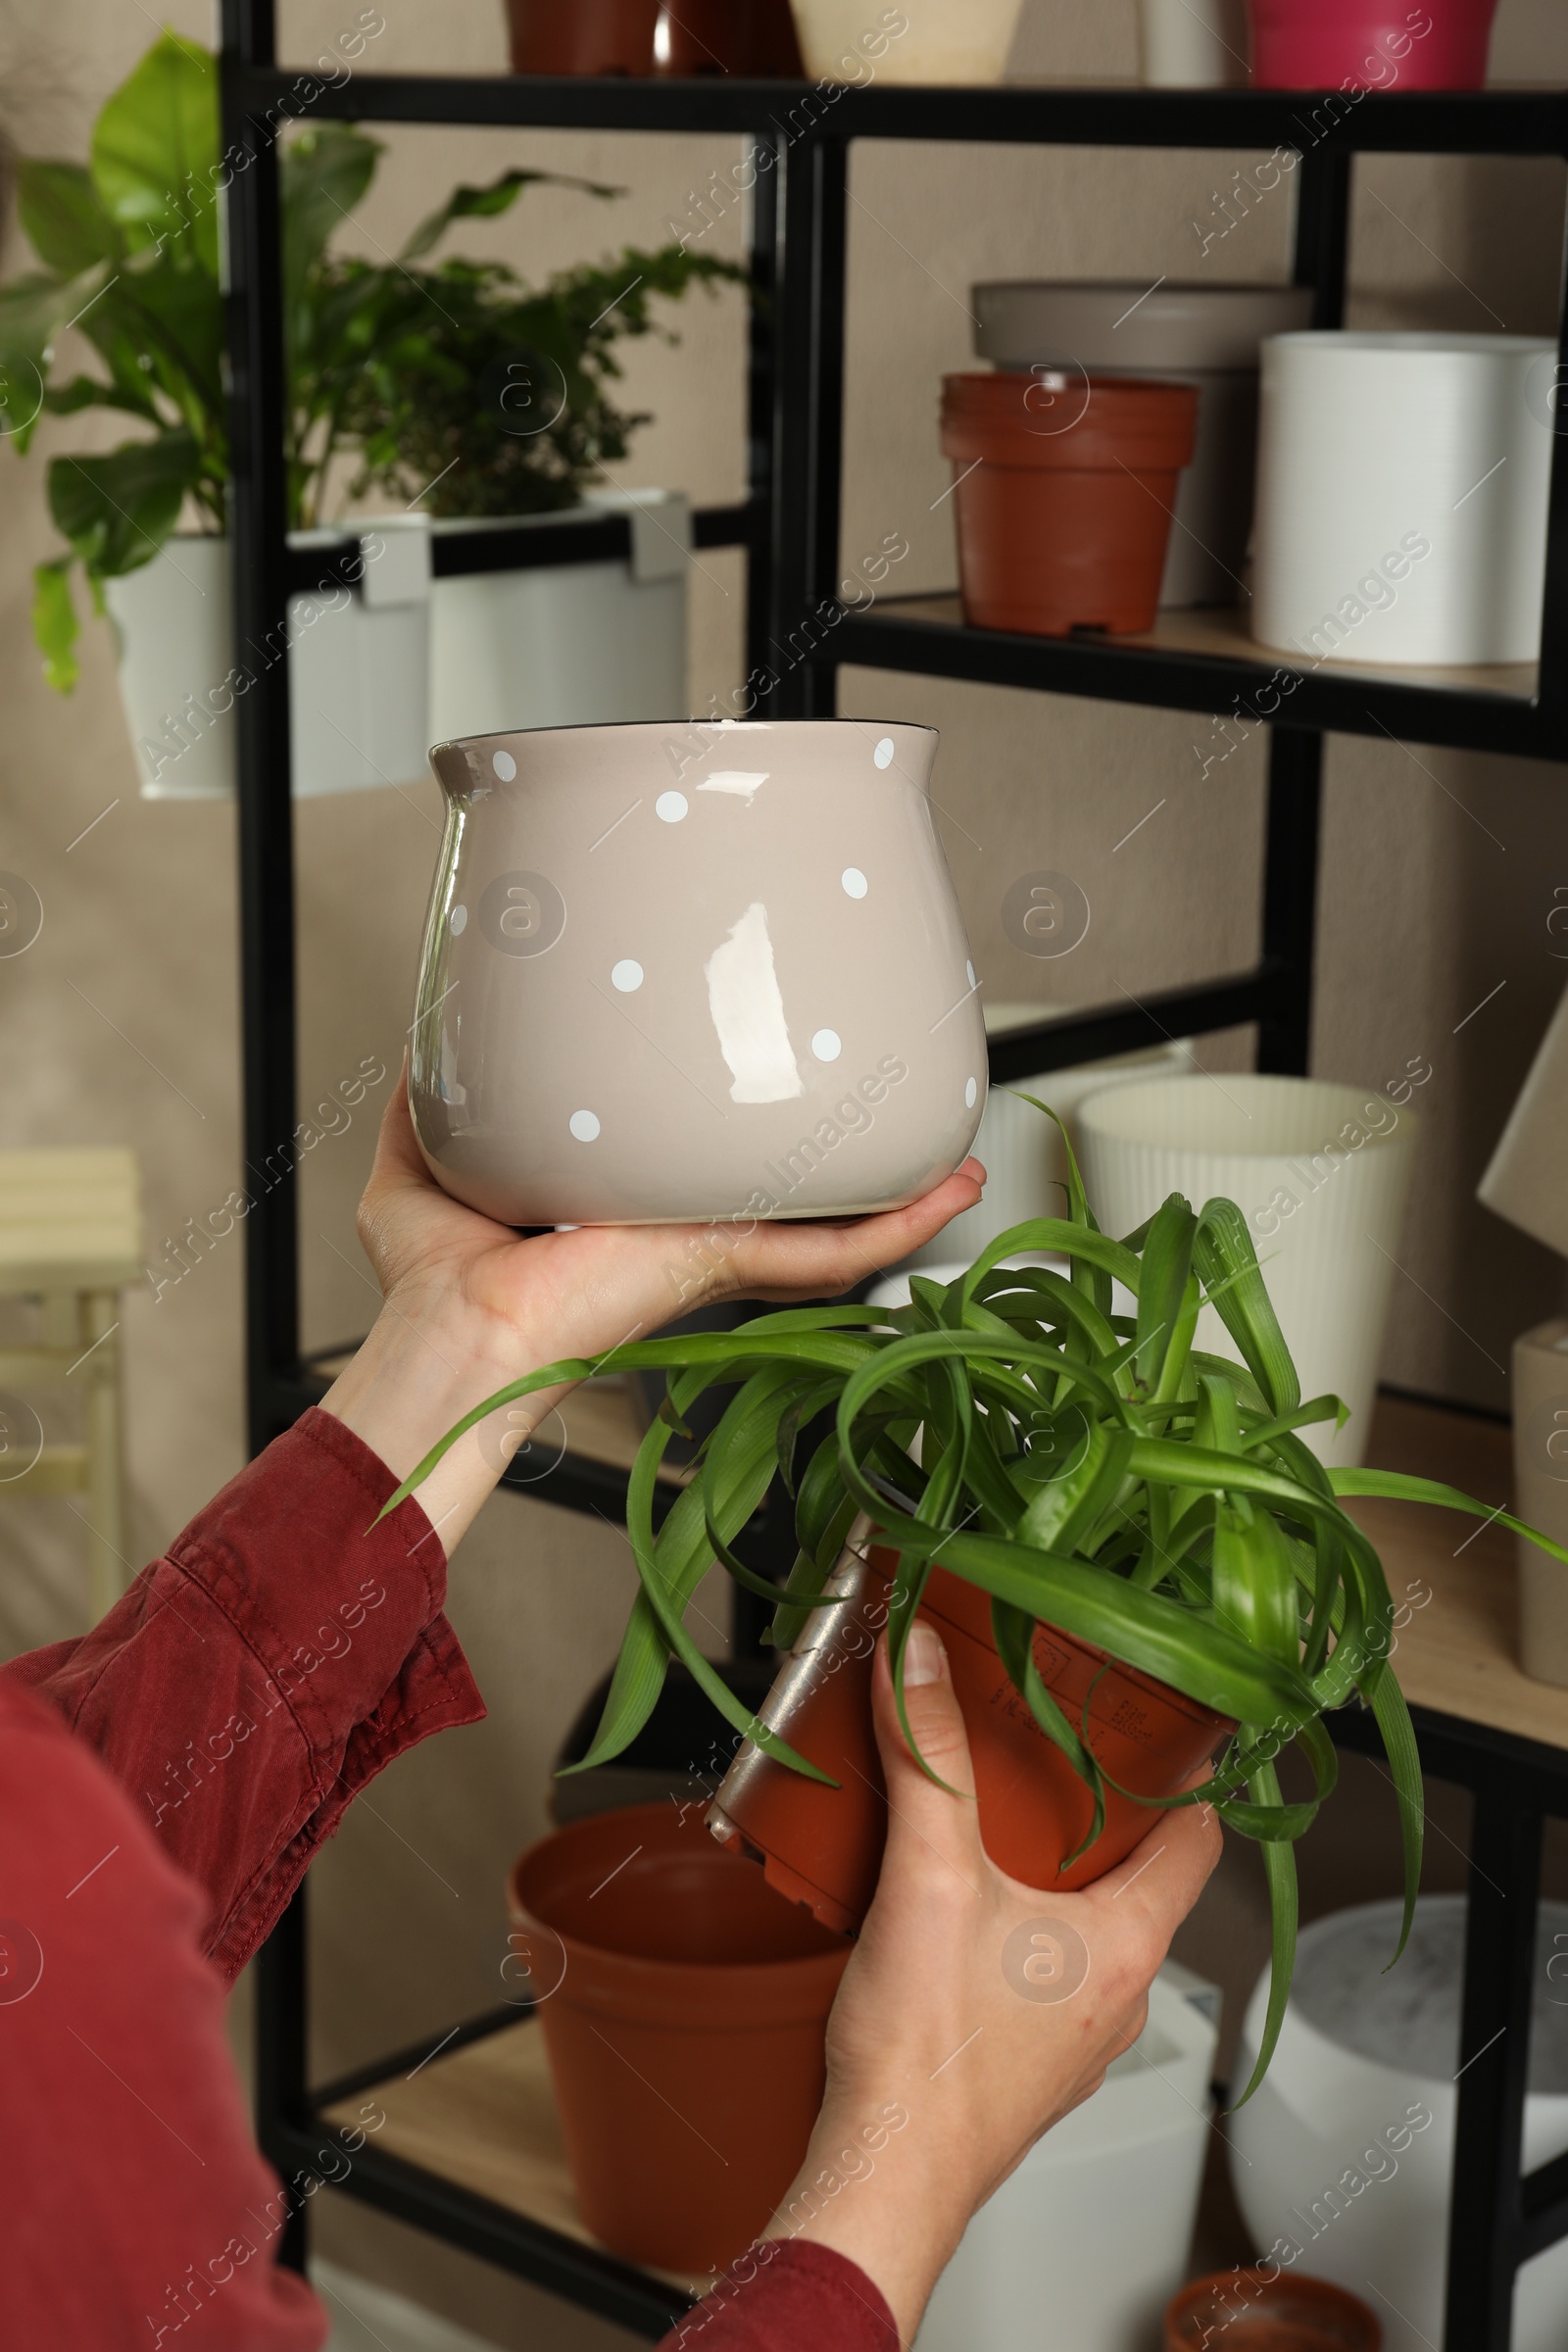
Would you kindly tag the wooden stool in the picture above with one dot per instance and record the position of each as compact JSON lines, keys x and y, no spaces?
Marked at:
{"x":70,"y":1241}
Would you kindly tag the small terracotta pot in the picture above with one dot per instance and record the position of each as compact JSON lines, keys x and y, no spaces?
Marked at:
{"x":1066,"y":484}
{"x":684,"y":2008}
{"x":1286,"y":2313}
{"x":822,"y":1846}
{"x":748,"y":37}
{"x":1370,"y":44}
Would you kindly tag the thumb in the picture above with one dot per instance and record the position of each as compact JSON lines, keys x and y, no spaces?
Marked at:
{"x":926,"y":1819}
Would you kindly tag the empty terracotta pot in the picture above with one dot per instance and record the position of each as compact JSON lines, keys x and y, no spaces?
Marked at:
{"x":822,"y":1846}
{"x":748,"y":37}
{"x":1250,"y":2311}
{"x":691,"y":971}
{"x":1370,"y":44}
{"x":1066,"y":487}
{"x":684,"y":2008}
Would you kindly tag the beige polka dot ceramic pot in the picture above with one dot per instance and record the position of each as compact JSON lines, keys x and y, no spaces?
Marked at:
{"x":697,"y":971}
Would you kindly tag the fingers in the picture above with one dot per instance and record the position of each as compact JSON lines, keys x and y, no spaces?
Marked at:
{"x":1164,"y":1875}
{"x":787,"y":1256}
{"x":927,"y":1823}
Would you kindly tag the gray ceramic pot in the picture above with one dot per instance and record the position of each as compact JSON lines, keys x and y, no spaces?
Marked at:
{"x":677,"y":972}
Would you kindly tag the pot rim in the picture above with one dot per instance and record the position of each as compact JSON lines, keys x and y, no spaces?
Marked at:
{"x":663,"y":727}
{"x":800,"y":1968}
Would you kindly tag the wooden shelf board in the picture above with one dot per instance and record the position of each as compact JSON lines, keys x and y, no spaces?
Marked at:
{"x":1220,"y":634}
{"x":1459,"y":1652}
{"x":485,"y":2117}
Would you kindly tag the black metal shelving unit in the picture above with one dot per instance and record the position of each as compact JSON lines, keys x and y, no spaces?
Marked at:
{"x":789,"y":527}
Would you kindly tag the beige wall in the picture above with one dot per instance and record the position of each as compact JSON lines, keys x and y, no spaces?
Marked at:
{"x":121,"y":1023}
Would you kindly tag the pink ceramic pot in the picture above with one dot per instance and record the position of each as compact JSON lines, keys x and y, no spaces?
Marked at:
{"x":1370,"y":44}
{"x":679,"y":972}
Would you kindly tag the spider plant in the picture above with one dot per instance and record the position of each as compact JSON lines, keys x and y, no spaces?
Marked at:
{"x":1088,"y":1469}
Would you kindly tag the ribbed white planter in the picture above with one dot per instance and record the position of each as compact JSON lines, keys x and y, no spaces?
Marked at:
{"x":948,"y":40}
{"x":1331,"y":2153}
{"x":1319,"y":1171}
{"x":1401,"y":496}
{"x":565,"y":645}
{"x":1050,"y":2258}
{"x":1193,"y":44}
{"x":358,"y":657}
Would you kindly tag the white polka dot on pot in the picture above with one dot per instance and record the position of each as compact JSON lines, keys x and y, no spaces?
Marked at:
{"x":827,"y":1045}
{"x":584,"y":1126}
{"x":971,"y":1092}
{"x":628,"y":975}
{"x":883,"y":754}
{"x":672,"y":806}
{"x":854,"y":883}
{"x":505,"y":765}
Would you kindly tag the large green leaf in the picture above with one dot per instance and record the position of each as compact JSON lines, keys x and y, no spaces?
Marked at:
{"x":64,"y":216}
{"x":325,"y":174}
{"x":54,"y":625}
{"x":33,"y":312}
{"x":154,"y":148}
{"x":119,"y":510}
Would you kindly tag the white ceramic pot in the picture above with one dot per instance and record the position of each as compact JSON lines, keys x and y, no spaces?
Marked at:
{"x":942,"y":40}
{"x":1210,"y":336}
{"x":1401,"y":496}
{"x":1050,"y":2258}
{"x":1193,"y":44}
{"x":713,"y":970}
{"x":1331,"y":2154}
{"x":565,"y":645}
{"x":358,"y":666}
{"x":1319,"y":1171}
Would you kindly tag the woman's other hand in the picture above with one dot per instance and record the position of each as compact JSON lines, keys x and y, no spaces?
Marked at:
{"x":976,"y":2011}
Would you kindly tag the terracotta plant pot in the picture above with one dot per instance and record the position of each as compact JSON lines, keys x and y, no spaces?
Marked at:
{"x":822,"y":1846}
{"x":1065,"y":485}
{"x":1370,"y":44}
{"x":1258,"y":2313}
{"x":749,"y":38}
{"x":683,"y":2008}
{"x":694,"y":971}
{"x":1206,"y":336}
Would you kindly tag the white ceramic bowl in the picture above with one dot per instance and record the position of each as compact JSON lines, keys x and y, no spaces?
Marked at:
{"x":1331,"y":2153}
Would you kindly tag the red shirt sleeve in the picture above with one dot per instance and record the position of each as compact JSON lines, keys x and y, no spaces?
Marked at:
{"x":264,"y":1671}
{"x":789,"y":2295}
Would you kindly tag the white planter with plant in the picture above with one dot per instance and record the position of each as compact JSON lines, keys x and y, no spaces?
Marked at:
{"x":461,"y":392}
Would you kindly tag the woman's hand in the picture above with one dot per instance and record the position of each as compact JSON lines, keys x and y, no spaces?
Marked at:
{"x":976,"y":2012}
{"x":469,"y":1307}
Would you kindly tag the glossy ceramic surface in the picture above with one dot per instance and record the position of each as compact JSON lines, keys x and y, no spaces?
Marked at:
{"x":709,"y":970}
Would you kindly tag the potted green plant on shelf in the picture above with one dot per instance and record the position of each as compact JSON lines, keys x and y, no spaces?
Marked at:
{"x":130,"y":251}
{"x":1093,"y":1486}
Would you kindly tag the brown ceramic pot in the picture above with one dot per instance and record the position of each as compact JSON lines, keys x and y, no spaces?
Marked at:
{"x":683,"y":2008}
{"x":1066,"y":484}
{"x":822,"y":1846}
{"x":752,"y":38}
{"x":1247,"y":2312}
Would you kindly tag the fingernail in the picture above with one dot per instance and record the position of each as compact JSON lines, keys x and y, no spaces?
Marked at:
{"x":924,"y":1656}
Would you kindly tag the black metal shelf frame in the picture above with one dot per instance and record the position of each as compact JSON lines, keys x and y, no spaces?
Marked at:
{"x":789,"y":528}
